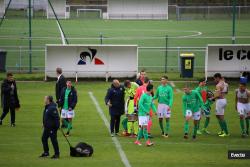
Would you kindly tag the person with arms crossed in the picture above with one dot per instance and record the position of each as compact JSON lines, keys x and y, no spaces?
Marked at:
{"x":164,"y":94}
{"x":242,"y":105}
{"x":51,"y":123}
{"x":68,"y":101}
{"x":114,"y":99}
{"x":9,"y":98}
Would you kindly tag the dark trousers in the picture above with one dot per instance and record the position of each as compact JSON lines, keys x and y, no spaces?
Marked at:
{"x":6,"y":110}
{"x":115,"y":123}
{"x":52,"y":134}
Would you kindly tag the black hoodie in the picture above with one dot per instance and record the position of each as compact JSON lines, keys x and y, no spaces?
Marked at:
{"x":51,"y":118}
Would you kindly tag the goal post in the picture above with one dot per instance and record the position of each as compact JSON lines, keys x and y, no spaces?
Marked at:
{"x":79,"y":11}
{"x":92,"y":61}
{"x":59,"y":7}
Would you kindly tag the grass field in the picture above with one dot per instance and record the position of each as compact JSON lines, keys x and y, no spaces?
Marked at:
{"x":21,"y":146}
{"x":193,"y":33}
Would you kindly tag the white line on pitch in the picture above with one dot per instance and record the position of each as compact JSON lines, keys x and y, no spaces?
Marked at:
{"x":115,"y":140}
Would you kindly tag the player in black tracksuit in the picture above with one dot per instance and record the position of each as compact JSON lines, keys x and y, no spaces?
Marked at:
{"x":51,"y":123}
{"x":9,"y":98}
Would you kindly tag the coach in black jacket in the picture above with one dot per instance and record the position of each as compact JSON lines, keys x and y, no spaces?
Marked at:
{"x":51,"y":123}
{"x":9,"y":98}
{"x":60,"y":83}
{"x":115,"y":100}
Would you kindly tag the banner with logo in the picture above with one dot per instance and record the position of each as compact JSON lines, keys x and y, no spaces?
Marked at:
{"x":92,"y":61}
{"x":229,"y":60}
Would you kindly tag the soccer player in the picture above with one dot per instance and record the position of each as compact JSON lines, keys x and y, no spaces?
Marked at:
{"x":191,"y":101}
{"x":139,"y":92}
{"x":242,"y":105}
{"x":130,"y":90}
{"x":221,"y":103}
{"x":67,"y":102}
{"x":164,"y":94}
{"x":145,"y":104}
{"x":206,"y":108}
{"x":202,"y":90}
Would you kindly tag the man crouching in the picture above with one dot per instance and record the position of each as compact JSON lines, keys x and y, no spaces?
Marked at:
{"x":51,"y":123}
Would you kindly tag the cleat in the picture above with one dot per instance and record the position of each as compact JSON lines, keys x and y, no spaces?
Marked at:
{"x":221,"y":132}
{"x":247,"y":132}
{"x":132,"y":136}
{"x":13,"y":125}
{"x":162,"y":134}
{"x":1,"y":122}
{"x":112,"y":135}
{"x":194,"y":137}
{"x":138,"y":143}
{"x":150,"y":136}
{"x":67,"y":134}
{"x":199,"y":132}
{"x":44,"y":155}
{"x":117,"y":134}
{"x":166,"y":136}
{"x":185,"y":136}
{"x":244,"y":135}
{"x":55,"y":157}
{"x":149,"y":143}
{"x":224,"y":135}
{"x":205,"y":131}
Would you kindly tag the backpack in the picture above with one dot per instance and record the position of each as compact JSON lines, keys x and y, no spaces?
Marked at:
{"x":81,"y":150}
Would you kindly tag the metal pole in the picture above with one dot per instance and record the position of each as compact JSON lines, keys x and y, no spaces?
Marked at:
{"x":5,"y":12}
{"x":101,"y":38}
{"x":234,"y":19}
{"x":30,"y":39}
{"x":166,"y":54}
{"x":58,"y":21}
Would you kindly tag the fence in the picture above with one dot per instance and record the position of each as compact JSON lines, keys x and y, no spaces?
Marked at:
{"x":175,"y":12}
{"x":152,"y":59}
{"x":208,"y":12}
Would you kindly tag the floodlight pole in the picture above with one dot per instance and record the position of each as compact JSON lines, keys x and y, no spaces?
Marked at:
{"x":166,"y":55}
{"x":30,"y":39}
{"x":66,"y":40}
{"x":234,"y":19}
{"x":5,"y":12}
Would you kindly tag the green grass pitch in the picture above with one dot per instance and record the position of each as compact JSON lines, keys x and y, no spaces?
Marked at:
{"x":21,"y":146}
{"x":14,"y":32}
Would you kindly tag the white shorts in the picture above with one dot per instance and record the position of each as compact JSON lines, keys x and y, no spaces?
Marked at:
{"x":220,"y":106}
{"x":143,"y":120}
{"x":196,"y":116}
{"x":163,"y":111}
{"x":243,"y":109}
{"x":67,"y":113}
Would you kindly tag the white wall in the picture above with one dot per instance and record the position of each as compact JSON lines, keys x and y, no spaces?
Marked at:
{"x":119,"y":61}
{"x":138,"y":9}
{"x":229,"y":60}
{"x":23,"y":4}
{"x":59,"y":7}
